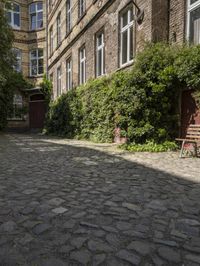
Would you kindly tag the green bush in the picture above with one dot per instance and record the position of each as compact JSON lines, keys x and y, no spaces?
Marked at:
{"x":150,"y":146}
{"x":142,"y":102}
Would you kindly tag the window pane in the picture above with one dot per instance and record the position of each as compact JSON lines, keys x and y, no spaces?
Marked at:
{"x":33,"y":67}
{"x":99,"y":62}
{"x":195,"y":26}
{"x":33,"y":8}
{"x":16,"y":20}
{"x":124,"y":19}
{"x":124,"y":47}
{"x":193,"y":1}
{"x":131,"y":43}
{"x":40,"y":52}
{"x":40,"y":15}
{"x":39,"y":24}
{"x":100,"y":40}
{"x":8,"y":15}
{"x":33,"y":21}
{"x":15,"y":7}
{"x":34,"y":54}
{"x":39,"y":6}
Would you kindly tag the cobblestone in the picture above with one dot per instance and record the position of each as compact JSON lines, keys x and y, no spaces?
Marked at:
{"x":68,"y":202}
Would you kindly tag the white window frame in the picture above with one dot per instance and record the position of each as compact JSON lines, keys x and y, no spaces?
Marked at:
{"x":100,"y":48}
{"x":37,"y":10}
{"x":51,"y":40}
{"x":82,"y":65}
{"x":12,"y":12}
{"x":58,"y":27}
{"x":59,"y":81}
{"x":36,"y":58}
{"x":69,"y":83}
{"x":18,"y":65}
{"x":68,"y":16}
{"x":122,"y":30}
{"x":190,"y":8}
{"x":81,"y":8}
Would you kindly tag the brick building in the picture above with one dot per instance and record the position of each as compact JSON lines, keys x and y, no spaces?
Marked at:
{"x":76,"y":40}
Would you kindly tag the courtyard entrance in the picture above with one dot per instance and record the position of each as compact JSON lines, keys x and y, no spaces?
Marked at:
{"x":37,"y":111}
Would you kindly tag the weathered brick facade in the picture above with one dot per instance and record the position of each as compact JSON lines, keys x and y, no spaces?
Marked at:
{"x":164,"y":20}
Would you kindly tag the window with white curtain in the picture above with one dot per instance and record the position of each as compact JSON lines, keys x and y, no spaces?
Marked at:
{"x":126,"y":36}
{"x":82,"y":65}
{"x":51,"y":40}
{"x":69,"y":15}
{"x":58,"y":22}
{"x":69,"y":74}
{"x":59,"y":81}
{"x":12,"y":11}
{"x":36,"y":15}
{"x":100,"y":54}
{"x":194,"y":21}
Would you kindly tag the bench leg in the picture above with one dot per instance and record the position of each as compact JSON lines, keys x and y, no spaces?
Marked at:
{"x":182,"y":148}
{"x":195,"y":148}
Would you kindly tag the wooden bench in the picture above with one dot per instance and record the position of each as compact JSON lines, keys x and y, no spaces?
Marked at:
{"x":192,"y":136}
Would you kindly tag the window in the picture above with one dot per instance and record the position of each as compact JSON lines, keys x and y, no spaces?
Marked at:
{"x":81,"y":7}
{"x":126,"y":26}
{"x":17,"y":110}
{"x":100,"y":54}
{"x":58,"y":30}
{"x":36,"y":62}
{"x":82,"y":66}
{"x":51,"y":40}
{"x":59,"y":81}
{"x":69,"y":16}
{"x":13,"y":15}
{"x":69,"y":74}
{"x":194,"y":21}
{"x":36,"y":15}
{"x":18,"y":59}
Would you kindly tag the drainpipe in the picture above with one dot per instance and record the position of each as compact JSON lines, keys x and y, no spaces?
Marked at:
{"x":47,"y":37}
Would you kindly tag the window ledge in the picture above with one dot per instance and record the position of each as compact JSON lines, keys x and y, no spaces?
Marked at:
{"x":127,"y":65}
{"x":40,"y":29}
{"x":37,"y":76}
{"x":81,"y":17}
{"x":68,"y":33}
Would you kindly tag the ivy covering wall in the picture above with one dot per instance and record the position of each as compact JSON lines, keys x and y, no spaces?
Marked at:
{"x":143,"y":102}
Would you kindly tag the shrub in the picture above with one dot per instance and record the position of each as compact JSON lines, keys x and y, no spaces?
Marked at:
{"x":142,"y":102}
{"x":150,"y":146}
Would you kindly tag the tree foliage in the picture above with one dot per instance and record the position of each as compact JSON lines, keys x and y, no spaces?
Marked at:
{"x":143,"y":102}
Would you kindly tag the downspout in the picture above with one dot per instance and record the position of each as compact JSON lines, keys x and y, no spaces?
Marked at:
{"x":46,"y":29}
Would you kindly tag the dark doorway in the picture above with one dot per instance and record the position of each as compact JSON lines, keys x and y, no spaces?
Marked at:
{"x":190,"y":113}
{"x":37,"y":111}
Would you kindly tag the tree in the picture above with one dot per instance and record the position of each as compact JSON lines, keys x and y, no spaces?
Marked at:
{"x":10,"y":80}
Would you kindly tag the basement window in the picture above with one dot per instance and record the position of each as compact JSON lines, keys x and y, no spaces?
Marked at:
{"x":194,"y":21}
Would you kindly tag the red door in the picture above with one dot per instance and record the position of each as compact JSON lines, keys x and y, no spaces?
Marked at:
{"x":37,"y":111}
{"x":190,"y":113}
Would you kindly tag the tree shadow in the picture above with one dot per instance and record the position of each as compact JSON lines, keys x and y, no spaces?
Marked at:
{"x":78,"y":205}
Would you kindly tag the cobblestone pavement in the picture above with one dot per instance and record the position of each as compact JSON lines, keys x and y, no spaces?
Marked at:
{"x":68,"y":202}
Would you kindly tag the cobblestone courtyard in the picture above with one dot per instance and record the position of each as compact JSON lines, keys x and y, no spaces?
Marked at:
{"x":65,"y":202}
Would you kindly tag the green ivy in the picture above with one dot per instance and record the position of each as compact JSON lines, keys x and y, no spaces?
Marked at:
{"x":142,"y":102}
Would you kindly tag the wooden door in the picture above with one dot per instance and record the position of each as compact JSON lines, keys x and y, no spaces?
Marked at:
{"x":190,"y":112}
{"x":37,"y":111}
